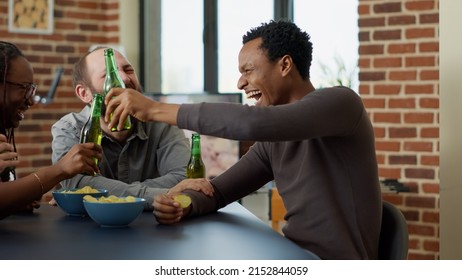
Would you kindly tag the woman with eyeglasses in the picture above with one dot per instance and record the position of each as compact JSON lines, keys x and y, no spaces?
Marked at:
{"x":17,"y":92}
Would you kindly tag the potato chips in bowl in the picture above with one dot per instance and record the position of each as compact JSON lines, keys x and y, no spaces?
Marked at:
{"x":71,"y":201}
{"x":113,"y":211}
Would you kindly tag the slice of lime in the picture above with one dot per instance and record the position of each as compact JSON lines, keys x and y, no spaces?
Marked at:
{"x":183,"y":200}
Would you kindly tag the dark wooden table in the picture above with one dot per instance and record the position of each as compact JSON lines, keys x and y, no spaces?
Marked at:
{"x":231,"y":233}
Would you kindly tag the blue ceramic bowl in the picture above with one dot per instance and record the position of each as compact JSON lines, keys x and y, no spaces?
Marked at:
{"x":114,"y":214}
{"x":72,"y":203}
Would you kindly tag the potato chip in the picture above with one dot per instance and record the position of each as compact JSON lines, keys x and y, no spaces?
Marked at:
{"x":113,"y":199}
{"x":90,"y":198}
{"x":86,"y":189}
{"x":183,"y":200}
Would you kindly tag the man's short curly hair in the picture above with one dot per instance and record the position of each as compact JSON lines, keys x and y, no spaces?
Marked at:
{"x":281,"y":38}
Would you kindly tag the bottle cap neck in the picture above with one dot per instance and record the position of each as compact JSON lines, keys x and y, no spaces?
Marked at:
{"x":196,"y":144}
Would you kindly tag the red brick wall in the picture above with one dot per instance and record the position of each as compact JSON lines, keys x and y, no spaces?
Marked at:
{"x":399,"y":82}
{"x":77,"y":26}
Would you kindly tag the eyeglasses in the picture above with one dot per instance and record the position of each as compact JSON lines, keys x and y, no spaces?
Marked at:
{"x":29,"y":89}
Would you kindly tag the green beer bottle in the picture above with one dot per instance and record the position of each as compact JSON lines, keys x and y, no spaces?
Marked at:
{"x":91,"y":131}
{"x":113,"y":80}
{"x":5,"y":175}
{"x":196,"y":167}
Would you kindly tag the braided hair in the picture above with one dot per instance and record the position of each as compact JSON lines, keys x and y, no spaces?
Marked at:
{"x":8,"y":51}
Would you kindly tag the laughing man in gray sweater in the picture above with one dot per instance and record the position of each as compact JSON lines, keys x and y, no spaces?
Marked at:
{"x":317,"y":146}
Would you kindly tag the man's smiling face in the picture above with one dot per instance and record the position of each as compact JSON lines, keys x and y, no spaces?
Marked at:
{"x":260,"y":78}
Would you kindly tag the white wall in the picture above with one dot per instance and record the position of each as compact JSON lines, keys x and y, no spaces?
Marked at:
{"x":450,"y":129}
{"x":129,"y":30}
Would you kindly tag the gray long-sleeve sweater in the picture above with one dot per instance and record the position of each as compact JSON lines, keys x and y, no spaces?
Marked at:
{"x":320,"y":151}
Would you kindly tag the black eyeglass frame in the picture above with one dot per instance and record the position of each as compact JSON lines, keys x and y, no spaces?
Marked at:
{"x":30,"y":89}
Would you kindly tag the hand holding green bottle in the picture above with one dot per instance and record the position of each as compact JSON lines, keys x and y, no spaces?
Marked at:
{"x":113,"y":80}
